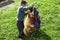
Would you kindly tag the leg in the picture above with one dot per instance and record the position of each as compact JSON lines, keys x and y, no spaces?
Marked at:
{"x":20,"y":27}
{"x":26,"y":31}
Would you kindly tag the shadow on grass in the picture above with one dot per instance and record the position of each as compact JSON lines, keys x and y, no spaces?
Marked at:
{"x":38,"y":35}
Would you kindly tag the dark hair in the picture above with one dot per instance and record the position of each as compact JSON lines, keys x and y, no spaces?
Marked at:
{"x":23,"y":2}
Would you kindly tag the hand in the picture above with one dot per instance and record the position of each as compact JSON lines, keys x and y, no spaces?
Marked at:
{"x":32,"y":4}
{"x":32,"y":26}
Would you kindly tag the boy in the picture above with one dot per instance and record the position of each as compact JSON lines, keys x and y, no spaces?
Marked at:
{"x":21,"y":15}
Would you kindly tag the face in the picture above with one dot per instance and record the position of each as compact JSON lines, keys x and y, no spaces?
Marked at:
{"x":31,"y":16}
{"x":23,"y":4}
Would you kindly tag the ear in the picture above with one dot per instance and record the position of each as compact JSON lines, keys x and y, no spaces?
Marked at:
{"x":27,"y":11}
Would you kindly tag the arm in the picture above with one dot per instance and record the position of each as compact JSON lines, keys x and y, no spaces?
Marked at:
{"x":28,"y":9}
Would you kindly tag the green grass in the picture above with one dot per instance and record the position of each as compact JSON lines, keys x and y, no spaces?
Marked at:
{"x":50,"y":21}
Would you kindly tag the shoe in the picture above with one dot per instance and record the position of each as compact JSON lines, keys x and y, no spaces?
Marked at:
{"x":21,"y":36}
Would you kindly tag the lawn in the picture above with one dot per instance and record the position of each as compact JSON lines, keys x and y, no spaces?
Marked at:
{"x":49,"y":11}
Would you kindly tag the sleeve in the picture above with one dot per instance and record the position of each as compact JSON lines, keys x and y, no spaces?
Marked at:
{"x":25,"y":8}
{"x":18,"y":10}
{"x":28,"y":8}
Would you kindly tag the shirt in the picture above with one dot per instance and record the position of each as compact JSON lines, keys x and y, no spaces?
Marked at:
{"x":21,"y":13}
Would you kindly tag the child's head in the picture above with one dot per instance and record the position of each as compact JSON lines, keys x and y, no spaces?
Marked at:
{"x":23,"y":3}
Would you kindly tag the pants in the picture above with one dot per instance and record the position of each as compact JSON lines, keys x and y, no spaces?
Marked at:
{"x":20,"y":26}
